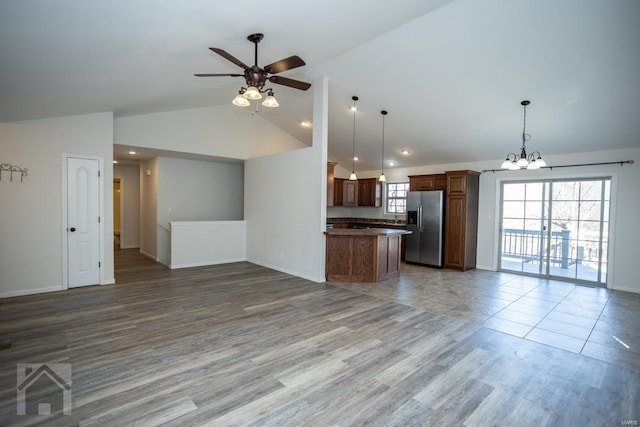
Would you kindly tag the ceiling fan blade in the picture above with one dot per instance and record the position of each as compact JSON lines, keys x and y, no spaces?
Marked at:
{"x":296,"y":84}
{"x":228,"y":56}
{"x":219,"y":75}
{"x":284,"y":65}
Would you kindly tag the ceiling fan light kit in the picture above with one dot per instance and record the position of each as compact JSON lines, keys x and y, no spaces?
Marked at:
{"x":523,"y":161}
{"x":252,"y":93}
{"x":257,"y":77}
{"x":240,"y":100}
{"x":270,"y":101}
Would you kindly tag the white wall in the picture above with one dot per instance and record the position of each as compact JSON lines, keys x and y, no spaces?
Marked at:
{"x":285,"y":203}
{"x":149,"y":228}
{"x":195,"y":190}
{"x":196,"y":243}
{"x":625,"y":234}
{"x":223,"y":131}
{"x":130,"y":190}
{"x":31,"y":223}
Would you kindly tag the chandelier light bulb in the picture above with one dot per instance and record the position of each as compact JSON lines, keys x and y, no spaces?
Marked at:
{"x":270,"y":101}
{"x":253,"y":93}
{"x":240,"y":100}
{"x":522,"y":163}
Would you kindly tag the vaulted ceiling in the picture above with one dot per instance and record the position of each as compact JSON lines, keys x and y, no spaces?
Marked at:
{"x":450,"y":73}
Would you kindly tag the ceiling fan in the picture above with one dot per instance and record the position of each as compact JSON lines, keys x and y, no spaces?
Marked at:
{"x":256,"y":77}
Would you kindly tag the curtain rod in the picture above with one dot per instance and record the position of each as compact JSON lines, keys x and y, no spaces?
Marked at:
{"x":621,"y":163}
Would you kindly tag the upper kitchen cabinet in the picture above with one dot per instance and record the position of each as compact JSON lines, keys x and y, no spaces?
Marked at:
{"x":350,"y":190}
{"x":330,"y":183}
{"x":343,"y":192}
{"x":461,"y":225}
{"x":338,"y":192}
{"x":369,"y":192}
{"x":428,"y":182}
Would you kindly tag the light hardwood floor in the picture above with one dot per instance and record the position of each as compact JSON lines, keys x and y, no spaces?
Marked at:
{"x":240,"y":344}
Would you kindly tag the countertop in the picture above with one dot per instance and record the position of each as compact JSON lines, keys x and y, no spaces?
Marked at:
{"x":365,"y":232}
{"x":366,"y":222}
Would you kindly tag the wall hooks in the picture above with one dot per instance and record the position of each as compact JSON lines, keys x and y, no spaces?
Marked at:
{"x":8,"y":167}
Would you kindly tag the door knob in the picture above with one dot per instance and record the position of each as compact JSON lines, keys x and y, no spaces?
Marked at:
{"x":72,"y":229}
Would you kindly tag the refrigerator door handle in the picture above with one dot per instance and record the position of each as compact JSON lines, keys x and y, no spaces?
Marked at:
{"x":420,"y":218}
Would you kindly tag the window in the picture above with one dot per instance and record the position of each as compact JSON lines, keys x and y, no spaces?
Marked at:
{"x":396,"y":197}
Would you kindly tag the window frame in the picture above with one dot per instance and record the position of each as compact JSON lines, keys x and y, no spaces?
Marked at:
{"x":388,"y":196}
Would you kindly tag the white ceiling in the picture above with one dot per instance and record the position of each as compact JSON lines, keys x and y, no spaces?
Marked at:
{"x":450,"y":73}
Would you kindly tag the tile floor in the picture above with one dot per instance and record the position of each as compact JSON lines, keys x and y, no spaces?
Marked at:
{"x":591,"y":321}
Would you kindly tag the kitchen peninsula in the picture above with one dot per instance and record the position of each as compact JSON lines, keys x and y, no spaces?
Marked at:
{"x":363,"y":254}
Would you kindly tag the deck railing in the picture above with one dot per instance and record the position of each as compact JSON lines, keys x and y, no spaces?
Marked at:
{"x":530,"y":246}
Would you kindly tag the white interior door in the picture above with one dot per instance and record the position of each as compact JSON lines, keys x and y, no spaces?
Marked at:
{"x":83,"y":221}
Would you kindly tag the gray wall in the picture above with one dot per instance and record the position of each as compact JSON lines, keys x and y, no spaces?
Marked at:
{"x":32,"y":257}
{"x":195,"y":190}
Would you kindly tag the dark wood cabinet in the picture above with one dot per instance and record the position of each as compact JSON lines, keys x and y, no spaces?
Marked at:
{"x":362,"y":255}
{"x":330,"y":183}
{"x":350,"y":196}
{"x":428,"y":182}
{"x":369,"y":192}
{"x":338,"y":191}
{"x":461,"y":225}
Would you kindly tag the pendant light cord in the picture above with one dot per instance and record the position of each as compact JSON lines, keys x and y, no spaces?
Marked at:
{"x":353,"y":154}
{"x":524,"y":124}
{"x":384,"y":113}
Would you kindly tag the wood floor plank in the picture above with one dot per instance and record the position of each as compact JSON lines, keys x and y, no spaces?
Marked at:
{"x":241,"y":344}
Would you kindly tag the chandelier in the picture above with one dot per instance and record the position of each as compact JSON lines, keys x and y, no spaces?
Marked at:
{"x":523,"y":161}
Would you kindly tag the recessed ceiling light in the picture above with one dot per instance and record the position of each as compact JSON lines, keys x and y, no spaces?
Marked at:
{"x":404,"y":152}
{"x":115,"y":161}
{"x":355,"y":158}
{"x":305,"y":124}
{"x":391,"y":163}
{"x":132,"y":152}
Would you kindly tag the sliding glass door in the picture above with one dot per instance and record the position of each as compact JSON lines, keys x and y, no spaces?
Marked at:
{"x":556,"y":229}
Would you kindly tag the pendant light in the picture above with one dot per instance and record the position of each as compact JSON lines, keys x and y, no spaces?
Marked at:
{"x":523,"y":161}
{"x":382,"y":177}
{"x":353,"y":176}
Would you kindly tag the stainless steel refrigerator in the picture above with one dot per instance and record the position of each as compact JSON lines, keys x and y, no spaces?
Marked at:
{"x":425,"y":220}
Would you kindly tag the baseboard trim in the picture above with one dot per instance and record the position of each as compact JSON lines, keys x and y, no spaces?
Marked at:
{"x":205,"y":263}
{"x":149,"y":255}
{"x":129,"y":246}
{"x":287,"y":271}
{"x":626,"y":289}
{"x":24,"y":292}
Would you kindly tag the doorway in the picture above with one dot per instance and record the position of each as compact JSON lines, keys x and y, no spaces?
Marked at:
{"x":556,"y":229}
